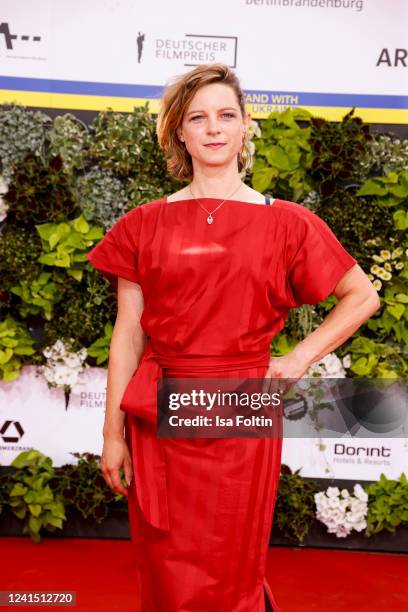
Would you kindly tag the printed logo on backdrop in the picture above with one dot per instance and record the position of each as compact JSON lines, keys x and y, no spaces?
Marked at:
{"x":140,"y":40}
{"x":88,"y":399}
{"x":352,"y":458}
{"x":90,"y":392}
{"x":356,"y":454}
{"x":11,"y":433}
{"x":366,"y":459}
{"x":195,"y":49}
{"x":393,"y":58}
{"x":9,"y":38}
{"x":356,"y":5}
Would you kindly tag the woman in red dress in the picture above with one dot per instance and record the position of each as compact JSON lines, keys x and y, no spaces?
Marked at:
{"x":205,"y":280}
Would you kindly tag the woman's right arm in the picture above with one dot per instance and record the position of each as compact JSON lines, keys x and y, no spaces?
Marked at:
{"x":126,"y":349}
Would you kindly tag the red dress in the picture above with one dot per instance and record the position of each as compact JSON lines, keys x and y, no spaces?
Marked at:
{"x":215,"y":295}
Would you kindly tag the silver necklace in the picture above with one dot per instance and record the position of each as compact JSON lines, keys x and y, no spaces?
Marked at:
{"x":210,"y":218}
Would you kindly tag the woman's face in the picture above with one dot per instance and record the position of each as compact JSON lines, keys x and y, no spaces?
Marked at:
{"x":213,"y":116}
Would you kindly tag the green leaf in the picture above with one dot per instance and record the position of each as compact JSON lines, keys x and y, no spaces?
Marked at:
{"x":385,"y":373}
{"x":34,"y":524}
{"x":362,"y":345}
{"x":19,"y":512}
{"x":18,"y":489}
{"x":77,"y":274}
{"x":372,"y":187}
{"x":54,"y":239}
{"x":45,"y":230}
{"x":400,"y":218}
{"x":108,"y":329}
{"x":75,"y":240}
{"x":364,"y":365}
{"x":24,"y":350}
{"x":10,"y":375}
{"x":57,"y":522}
{"x":5,"y":355}
{"x":47,"y":258}
{"x":35,"y":509}
{"x":58,"y":509}
{"x":42,"y":496}
{"x":31,"y":457}
{"x":95,"y":233}
{"x":397,"y":311}
{"x":262,"y":178}
{"x":400,"y":191}
{"x":62,"y":260}
{"x":392,"y":177}
{"x":278,"y":158}
{"x":81,"y":225}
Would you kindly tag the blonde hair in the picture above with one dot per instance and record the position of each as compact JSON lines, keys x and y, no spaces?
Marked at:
{"x":174,"y":102}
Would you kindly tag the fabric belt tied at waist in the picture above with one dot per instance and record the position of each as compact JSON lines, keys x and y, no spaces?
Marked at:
{"x":140,"y":400}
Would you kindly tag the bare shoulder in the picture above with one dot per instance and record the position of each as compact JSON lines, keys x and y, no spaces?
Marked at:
{"x":182,"y":194}
{"x":252,"y":196}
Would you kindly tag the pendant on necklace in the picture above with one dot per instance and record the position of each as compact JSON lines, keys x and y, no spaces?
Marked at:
{"x":210,"y":219}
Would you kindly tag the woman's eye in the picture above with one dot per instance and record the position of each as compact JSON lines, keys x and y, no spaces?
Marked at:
{"x":230,"y":115}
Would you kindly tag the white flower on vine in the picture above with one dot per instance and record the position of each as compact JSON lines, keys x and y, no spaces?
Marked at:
{"x":63,"y":367}
{"x":342,"y":512}
{"x":254,"y":129}
{"x":73,"y":360}
{"x":332,"y":492}
{"x":397,"y":253}
{"x":384,"y":275}
{"x":330,"y":366}
{"x":360,"y":493}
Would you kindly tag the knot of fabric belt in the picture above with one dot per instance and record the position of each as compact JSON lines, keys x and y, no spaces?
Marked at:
{"x":140,"y":401}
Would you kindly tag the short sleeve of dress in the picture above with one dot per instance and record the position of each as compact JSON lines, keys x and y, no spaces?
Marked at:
{"x":116,"y":254}
{"x":318,"y":260}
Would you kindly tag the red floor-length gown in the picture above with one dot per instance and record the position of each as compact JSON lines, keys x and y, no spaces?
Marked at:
{"x":214,"y":297}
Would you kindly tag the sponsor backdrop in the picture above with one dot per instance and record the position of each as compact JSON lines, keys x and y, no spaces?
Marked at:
{"x":32,"y":415}
{"x":324,"y":55}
